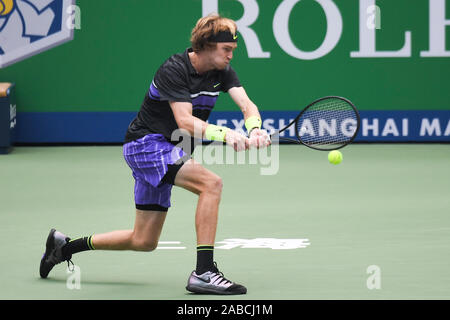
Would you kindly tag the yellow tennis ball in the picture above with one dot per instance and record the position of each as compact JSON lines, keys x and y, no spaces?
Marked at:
{"x":335,"y":157}
{"x":6,"y":7}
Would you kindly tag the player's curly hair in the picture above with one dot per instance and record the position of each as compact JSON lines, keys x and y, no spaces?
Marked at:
{"x":207,"y":26}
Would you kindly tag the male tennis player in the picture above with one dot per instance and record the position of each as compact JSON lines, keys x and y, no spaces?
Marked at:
{"x":181,"y":96}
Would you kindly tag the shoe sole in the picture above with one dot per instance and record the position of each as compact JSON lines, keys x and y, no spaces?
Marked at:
{"x":49,"y":245}
{"x":200,"y":290}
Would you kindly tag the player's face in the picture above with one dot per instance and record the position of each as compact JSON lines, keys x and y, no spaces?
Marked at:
{"x":223,"y":54}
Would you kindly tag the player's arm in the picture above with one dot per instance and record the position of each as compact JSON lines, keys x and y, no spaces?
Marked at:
{"x":182,"y":112}
{"x":198,"y":128}
{"x":252,"y":118}
{"x":247,"y":107}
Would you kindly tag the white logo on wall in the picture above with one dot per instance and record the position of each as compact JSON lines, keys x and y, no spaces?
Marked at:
{"x":28,"y":27}
{"x":369,"y":22}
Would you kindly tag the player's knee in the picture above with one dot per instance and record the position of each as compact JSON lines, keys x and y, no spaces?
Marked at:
{"x":145,"y":245}
{"x":214,"y":185}
{"x":218,"y":184}
{"x":148,"y":247}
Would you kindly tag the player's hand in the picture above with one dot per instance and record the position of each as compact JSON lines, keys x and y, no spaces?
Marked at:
{"x":259,"y":138}
{"x":236,"y":140}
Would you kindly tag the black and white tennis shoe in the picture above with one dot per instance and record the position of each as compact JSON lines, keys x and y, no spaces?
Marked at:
{"x":213,"y":282}
{"x":53,"y":252}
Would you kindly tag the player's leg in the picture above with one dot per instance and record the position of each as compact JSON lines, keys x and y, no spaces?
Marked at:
{"x":152,"y":203}
{"x":151,"y":208}
{"x":148,"y":158}
{"x":208,"y":186}
{"x":144,"y":237}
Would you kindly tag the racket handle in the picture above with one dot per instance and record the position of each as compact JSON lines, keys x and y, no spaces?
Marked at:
{"x":276,"y":136}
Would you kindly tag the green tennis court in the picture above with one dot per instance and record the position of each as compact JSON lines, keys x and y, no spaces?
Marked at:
{"x":311,"y":231}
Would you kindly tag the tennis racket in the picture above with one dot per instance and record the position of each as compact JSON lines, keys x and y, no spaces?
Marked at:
{"x":328,"y":123}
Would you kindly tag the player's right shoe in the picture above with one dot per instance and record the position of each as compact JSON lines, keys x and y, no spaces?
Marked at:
{"x":53,"y":252}
{"x":213,"y":282}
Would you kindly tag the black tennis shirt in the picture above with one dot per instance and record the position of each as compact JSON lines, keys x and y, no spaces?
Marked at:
{"x":176,"y":80}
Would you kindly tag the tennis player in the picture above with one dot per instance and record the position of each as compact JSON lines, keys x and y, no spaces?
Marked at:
{"x":182,"y":95}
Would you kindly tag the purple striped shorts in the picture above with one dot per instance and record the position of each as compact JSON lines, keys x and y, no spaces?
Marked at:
{"x":148,"y":158}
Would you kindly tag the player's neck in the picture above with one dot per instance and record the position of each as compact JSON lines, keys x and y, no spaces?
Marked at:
{"x":200,"y":63}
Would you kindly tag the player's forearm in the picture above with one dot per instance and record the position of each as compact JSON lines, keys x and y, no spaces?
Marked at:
{"x":246,"y":105}
{"x":193,"y":125}
{"x":250,"y":110}
{"x":252,"y":116}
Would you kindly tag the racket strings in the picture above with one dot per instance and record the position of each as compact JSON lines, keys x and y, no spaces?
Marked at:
{"x":331,"y":122}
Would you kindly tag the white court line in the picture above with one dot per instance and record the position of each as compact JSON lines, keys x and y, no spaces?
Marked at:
{"x":170,"y":248}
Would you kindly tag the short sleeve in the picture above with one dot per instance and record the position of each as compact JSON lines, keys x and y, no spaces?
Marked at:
{"x":230,"y":79}
{"x":171,"y":83}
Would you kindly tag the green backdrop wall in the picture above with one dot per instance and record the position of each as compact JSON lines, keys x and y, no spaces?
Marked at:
{"x":109,"y":64}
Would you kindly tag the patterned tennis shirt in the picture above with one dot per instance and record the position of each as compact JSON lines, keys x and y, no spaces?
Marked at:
{"x":177,"y":80}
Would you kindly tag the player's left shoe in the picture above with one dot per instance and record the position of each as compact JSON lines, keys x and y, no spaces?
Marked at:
{"x":213,"y":282}
{"x":53,"y":252}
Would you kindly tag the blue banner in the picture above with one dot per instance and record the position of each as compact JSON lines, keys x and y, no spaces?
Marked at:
{"x":110,"y":127}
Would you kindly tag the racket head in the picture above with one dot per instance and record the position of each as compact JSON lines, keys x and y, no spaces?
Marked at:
{"x":328,"y":123}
